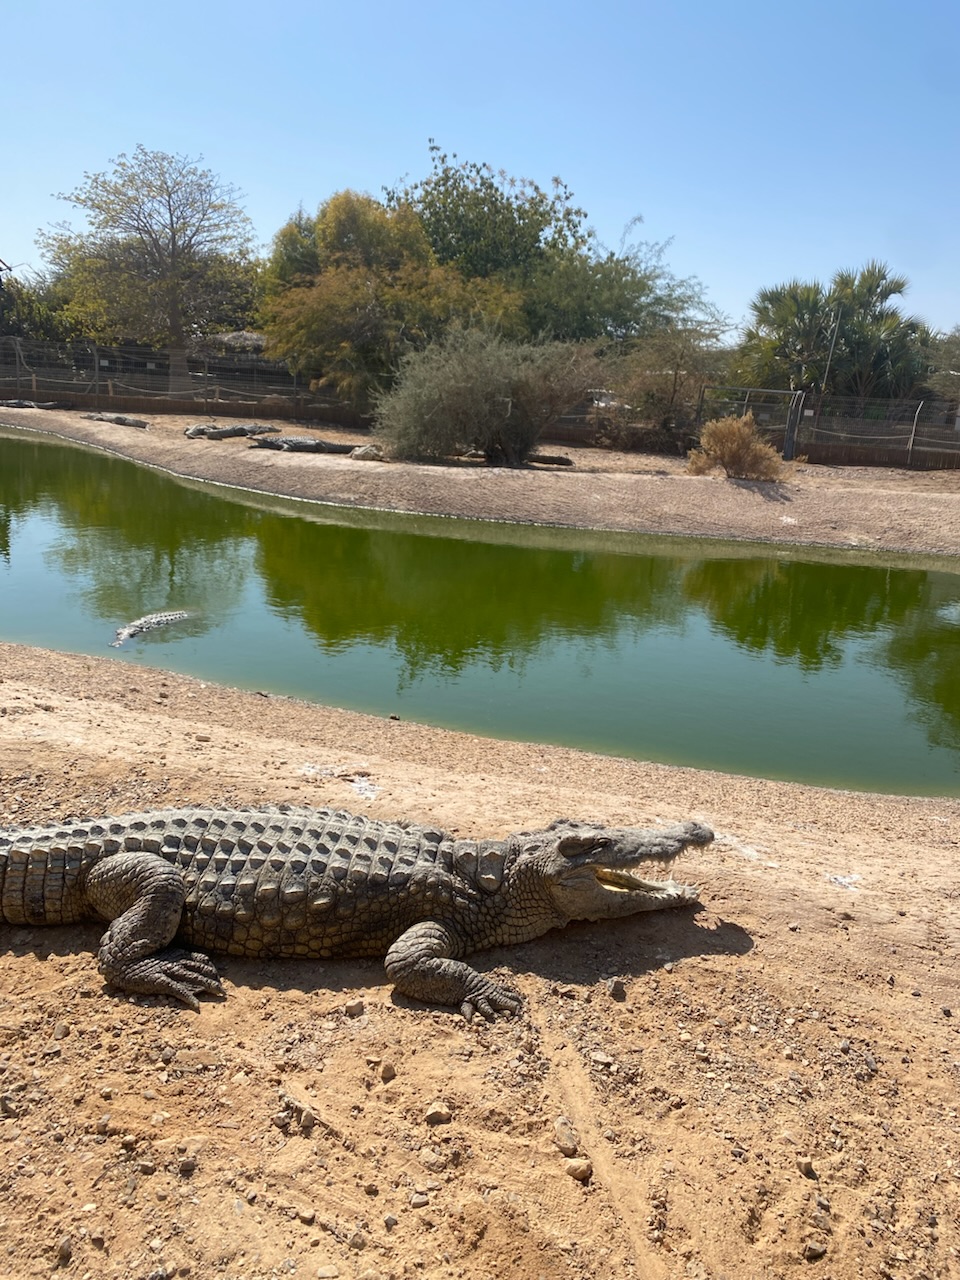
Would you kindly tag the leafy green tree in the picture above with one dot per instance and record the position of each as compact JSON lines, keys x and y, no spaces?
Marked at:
{"x":294,"y":259}
{"x":378,"y":292}
{"x":166,"y":256}
{"x":31,"y":310}
{"x":944,"y":378}
{"x":475,"y":390}
{"x":850,"y":339}
{"x":354,"y":289}
{"x":616,"y":300}
{"x":490,"y":225}
{"x":486,"y":223}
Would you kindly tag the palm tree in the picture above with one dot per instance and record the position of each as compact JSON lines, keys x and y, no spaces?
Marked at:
{"x":787,"y":344}
{"x":850,"y":339}
{"x":879,"y":351}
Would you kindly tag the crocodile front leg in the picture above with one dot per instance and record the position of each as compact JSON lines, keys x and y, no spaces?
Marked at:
{"x":422,"y":963}
{"x":143,"y":896}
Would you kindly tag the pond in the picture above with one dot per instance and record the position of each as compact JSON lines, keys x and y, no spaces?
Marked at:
{"x":830,"y":669}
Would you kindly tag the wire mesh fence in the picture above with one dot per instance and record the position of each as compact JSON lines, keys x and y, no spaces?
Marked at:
{"x":131,"y":377}
{"x":857,"y":430}
{"x":824,"y":428}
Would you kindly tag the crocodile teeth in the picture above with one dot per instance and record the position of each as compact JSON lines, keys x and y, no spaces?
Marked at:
{"x":626,"y":881}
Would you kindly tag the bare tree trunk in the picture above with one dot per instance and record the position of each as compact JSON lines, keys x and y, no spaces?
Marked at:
{"x":179,"y":383}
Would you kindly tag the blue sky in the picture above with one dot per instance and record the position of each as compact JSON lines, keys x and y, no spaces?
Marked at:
{"x":768,"y":140}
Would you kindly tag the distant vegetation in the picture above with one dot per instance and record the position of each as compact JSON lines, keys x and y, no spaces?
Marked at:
{"x":382,"y":299}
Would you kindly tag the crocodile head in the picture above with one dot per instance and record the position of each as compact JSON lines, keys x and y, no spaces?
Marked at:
{"x":594,"y":872}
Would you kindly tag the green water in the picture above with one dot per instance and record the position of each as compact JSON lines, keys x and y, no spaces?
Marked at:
{"x":825,"y":669}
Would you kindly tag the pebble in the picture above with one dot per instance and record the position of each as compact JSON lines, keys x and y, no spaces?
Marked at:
{"x":418,"y":1200}
{"x":813,"y":1251}
{"x":354,"y":1008}
{"x":580,"y":1169}
{"x":805,"y":1165}
{"x":64,"y":1250}
{"x":329,"y":1272}
{"x":438,"y":1113}
{"x":616,"y":989}
{"x":565,"y":1136}
{"x":388,"y":1072}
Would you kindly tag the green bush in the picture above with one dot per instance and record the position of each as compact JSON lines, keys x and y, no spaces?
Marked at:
{"x":474,"y":390}
{"x":736,"y":445}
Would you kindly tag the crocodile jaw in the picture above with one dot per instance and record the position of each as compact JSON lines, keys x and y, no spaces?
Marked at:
{"x":620,"y":880}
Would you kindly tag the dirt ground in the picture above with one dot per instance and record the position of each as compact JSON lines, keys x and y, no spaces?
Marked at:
{"x":764,"y":1087}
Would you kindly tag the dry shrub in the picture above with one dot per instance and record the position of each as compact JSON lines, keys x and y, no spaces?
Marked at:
{"x":736,"y":445}
{"x":476,"y":390}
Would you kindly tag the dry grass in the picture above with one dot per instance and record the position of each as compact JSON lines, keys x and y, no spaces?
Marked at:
{"x":736,"y":445}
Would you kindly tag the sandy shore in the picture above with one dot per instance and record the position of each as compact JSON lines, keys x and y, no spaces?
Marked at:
{"x":774,"y":1087}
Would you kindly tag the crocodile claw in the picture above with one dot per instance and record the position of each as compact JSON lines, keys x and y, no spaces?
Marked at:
{"x":177,"y":973}
{"x":490,"y":1000}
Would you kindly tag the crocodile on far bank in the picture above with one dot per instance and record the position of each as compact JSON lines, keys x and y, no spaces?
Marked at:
{"x":284,"y":882}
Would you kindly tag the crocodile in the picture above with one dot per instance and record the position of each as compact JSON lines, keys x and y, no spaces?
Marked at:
{"x":147,"y":623}
{"x":286,"y":882}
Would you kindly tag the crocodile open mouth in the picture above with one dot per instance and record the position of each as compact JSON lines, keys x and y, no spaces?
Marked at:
{"x":621,"y":881}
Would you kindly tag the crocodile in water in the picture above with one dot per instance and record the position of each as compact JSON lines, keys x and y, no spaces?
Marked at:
{"x":148,"y":623}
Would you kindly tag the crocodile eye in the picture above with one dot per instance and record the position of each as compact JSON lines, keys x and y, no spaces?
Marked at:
{"x":575,"y":844}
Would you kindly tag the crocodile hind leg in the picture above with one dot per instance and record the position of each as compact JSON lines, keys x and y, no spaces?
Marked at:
{"x":142,"y":896}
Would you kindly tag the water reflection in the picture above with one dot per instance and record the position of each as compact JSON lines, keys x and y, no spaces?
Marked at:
{"x":447,"y":604}
{"x":768,"y":664}
{"x":137,"y":540}
{"x":924,"y":655}
{"x":800,"y":611}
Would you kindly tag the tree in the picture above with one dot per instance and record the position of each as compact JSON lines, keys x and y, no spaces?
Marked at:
{"x":850,"y":339}
{"x":378,"y":292}
{"x":473,"y":389}
{"x":789,"y":341}
{"x":657,"y":382}
{"x":31,"y":310}
{"x":589,"y":293}
{"x":879,"y":351}
{"x":489,"y":225}
{"x":486,"y":223}
{"x":294,"y":258}
{"x":166,"y":256}
{"x":944,"y":380}
{"x":354,"y":289}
